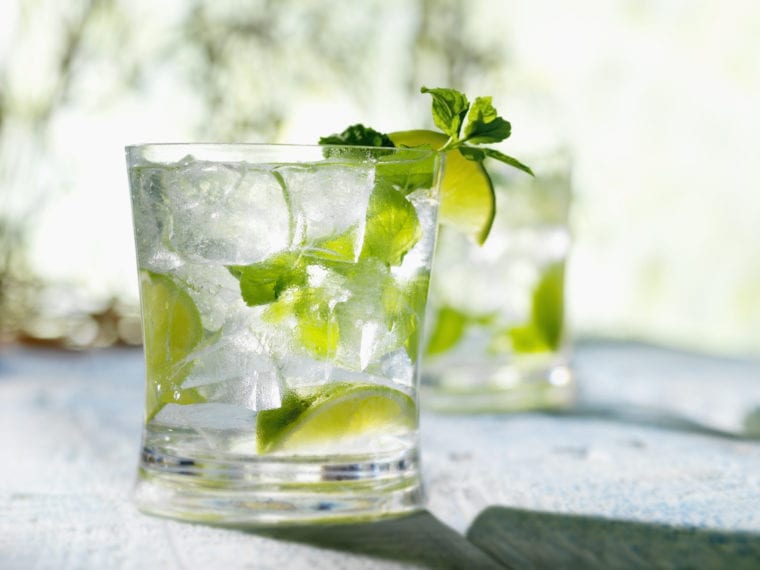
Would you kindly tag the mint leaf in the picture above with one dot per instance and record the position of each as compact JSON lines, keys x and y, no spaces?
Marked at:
{"x":527,"y":339}
{"x":262,"y":283}
{"x":484,"y":125}
{"x":472,"y":153}
{"x":392,"y":226}
{"x":493,"y":153}
{"x":449,"y":109}
{"x":450,"y":325}
{"x":480,"y":154}
{"x":358,"y":135}
{"x":548,"y":304}
{"x":543,"y":332}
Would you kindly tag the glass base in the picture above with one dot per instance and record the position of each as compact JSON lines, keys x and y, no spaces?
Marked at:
{"x":485,"y":388}
{"x":276,"y":490}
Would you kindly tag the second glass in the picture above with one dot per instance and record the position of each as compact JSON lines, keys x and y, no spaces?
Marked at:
{"x":283,"y":291}
{"x":498,"y":338}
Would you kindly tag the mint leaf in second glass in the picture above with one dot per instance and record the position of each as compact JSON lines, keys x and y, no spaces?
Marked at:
{"x":450,"y":325}
{"x":548,"y":304}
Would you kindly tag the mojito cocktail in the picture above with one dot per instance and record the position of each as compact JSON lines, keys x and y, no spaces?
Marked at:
{"x":283,"y":290}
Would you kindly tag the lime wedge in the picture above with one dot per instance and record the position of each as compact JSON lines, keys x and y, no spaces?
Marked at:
{"x":333,"y":413}
{"x":171,"y":328}
{"x":467,"y":196}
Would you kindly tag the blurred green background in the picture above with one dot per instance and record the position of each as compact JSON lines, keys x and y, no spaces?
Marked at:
{"x":656,"y":100}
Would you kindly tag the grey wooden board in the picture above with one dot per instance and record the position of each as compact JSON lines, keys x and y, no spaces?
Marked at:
{"x":540,"y":540}
{"x":69,"y":435}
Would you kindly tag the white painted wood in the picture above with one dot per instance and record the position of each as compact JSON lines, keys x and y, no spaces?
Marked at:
{"x":69,"y":438}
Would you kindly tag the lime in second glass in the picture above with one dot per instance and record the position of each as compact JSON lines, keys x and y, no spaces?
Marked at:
{"x":283,"y":290}
{"x":498,"y":337}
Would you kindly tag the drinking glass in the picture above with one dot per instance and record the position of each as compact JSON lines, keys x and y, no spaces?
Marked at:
{"x":498,"y":339}
{"x":283,"y":291}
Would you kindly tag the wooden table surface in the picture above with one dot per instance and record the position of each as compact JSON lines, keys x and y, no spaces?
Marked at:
{"x":659,"y":466}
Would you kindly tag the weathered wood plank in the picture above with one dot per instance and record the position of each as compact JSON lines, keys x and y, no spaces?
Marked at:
{"x":69,"y":436}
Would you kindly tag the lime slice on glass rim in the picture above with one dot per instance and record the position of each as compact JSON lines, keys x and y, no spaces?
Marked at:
{"x":467,"y":195}
{"x":172,"y":329}
{"x":333,"y":413}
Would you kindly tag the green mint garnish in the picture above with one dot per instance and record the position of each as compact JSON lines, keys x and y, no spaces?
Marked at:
{"x":484,"y":125}
{"x":358,"y":135}
{"x":449,"y":110}
{"x":465,"y":128}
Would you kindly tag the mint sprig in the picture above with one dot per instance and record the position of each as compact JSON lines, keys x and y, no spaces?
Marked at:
{"x":483,"y":126}
{"x":464,"y":123}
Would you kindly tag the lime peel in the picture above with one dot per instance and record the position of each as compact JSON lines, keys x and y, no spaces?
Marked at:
{"x":331,"y":413}
{"x":172,"y":329}
{"x":468,"y":203}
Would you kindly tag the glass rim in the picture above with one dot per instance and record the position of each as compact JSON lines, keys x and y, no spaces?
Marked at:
{"x":240,"y":150}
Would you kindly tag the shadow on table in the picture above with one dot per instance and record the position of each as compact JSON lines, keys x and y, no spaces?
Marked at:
{"x":538,"y":540}
{"x":418,"y":539}
{"x":650,"y":417}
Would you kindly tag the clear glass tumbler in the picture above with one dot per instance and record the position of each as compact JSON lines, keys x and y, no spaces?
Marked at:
{"x":498,"y":338}
{"x":283,"y":290}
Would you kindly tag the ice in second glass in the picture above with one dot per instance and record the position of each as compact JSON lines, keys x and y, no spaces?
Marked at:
{"x":283,"y":290}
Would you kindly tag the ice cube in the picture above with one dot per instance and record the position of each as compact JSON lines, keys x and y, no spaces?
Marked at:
{"x":364,"y":332}
{"x":214,"y":417}
{"x":215,"y":292}
{"x":420,"y":256}
{"x":398,"y":366}
{"x":299,"y":369}
{"x":236,"y":367}
{"x":227,"y":213}
{"x":152,"y":220}
{"x":329,"y":201}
